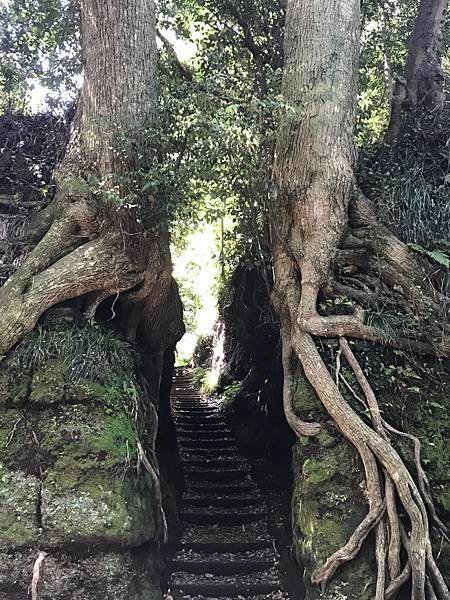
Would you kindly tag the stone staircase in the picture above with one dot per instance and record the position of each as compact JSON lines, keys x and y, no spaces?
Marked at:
{"x":226,"y":551}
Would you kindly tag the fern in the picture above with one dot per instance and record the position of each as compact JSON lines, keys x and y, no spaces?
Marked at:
{"x":438,"y":256}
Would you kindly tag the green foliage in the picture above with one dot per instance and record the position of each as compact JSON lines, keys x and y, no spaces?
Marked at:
{"x":205,"y":380}
{"x":228,"y":394}
{"x":91,"y":352}
{"x":38,"y":42}
{"x":386,"y":27}
{"x":438,"y":256}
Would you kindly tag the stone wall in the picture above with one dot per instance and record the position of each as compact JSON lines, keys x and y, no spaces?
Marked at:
{"x":74,"y":482}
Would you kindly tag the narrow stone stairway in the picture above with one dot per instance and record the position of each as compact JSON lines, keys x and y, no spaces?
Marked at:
{"x":226,"y":551}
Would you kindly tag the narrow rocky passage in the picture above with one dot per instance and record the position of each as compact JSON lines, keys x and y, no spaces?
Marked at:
{"x":226,"y":550}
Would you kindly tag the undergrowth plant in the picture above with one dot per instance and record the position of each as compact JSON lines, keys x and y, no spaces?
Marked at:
{"x":91,"y":352}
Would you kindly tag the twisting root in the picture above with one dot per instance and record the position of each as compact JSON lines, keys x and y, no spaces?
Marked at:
{"x":142,"y":459}
{"x":300,"y":427}
{"x":37,"y":575}
{"x":376,"y":510}
{"x":424,"y":484}
{"x":376,"y":451}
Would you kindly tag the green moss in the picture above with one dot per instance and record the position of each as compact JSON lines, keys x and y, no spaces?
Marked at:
{"x":116,"y":437}
{"x":49,"y":382}
{"x":316,"y":471}
{"x":18,"y":508}
{"x":97,"y":507}
{"x":87,"y":434}
{"x":13,"y":437}
{"x":303,"y":396}
{"x":14,"y":387}
{"x":327,"y":503}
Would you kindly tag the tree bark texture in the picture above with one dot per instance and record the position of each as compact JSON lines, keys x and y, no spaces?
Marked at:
{"x":312,"y":189}
{"x":422,"y":87}
{"x":102,"y":234}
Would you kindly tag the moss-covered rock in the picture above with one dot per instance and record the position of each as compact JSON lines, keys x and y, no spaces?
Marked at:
{"x":15,"y":387}
{"x":126,"y":575}
{"x":98,"y":508}
{"x":49,"y":382}
{"x":19,"y":504}
{"x":327,"y":504}
{"x":69,"y":481}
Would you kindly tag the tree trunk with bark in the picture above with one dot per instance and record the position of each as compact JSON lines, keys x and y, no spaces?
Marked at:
{"x":82,"y":514}
{"x":422,"y":87}
{"x":327,"y":242}
{"x":103,"y":235}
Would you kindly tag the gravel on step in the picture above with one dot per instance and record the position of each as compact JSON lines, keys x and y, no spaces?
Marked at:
{"x":231,"y":501}
{"x":278,"y":595}
{"x":234,"y":533}
{"x":219,"y":510}
{"x":267,"y":554}
{"x":268,"y":576}
{"x":233,"y":487}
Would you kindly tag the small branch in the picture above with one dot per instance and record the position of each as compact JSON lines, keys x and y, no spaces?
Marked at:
{"x":182,"y":68}
{"x":187,"y":74}
{"x":12,"y":432}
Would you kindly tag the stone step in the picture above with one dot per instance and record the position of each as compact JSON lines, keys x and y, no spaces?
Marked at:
{"x":203,"y":425}
{"x":189,"y":398}
{"x":251,"y":534}
{"x":216,"y":443}
{"x":223,"y":564}
{"x":226,"y":501}
{"x":189,"y":418}
{"x":204,"y":434}
{"x":225,"y":550}
{"x":210,"y":461}
{"x":277,"y":595}
{"x":210,"y":487}
{"x":184,"y":404}
{"x":226,"y":452}
{"x":195,"y":412}
{"x":260,"y":582}
{"x":225,"y":516}
{"x":216,"y":475}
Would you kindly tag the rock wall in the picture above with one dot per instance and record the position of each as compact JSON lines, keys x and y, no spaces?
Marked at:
{"x":327,"y":503}
{"x":328,"y":490}
{"x":79,"y":479}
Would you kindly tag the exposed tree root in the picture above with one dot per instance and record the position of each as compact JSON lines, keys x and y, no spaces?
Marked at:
{"x":376,"y":452}
{"x":142,"y":459}
{"x":37,"y":575}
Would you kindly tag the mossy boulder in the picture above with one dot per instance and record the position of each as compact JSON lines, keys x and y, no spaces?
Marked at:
{"x":97,"y":509}
{"x":328,"y":504}
{"x":19,"y":504}
{"x":49,"y":382}
{"x":69,"y":480}
{"x":15,"y":387}
{"x":329,"y":485}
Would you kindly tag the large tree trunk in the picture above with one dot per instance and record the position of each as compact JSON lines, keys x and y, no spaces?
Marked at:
{"x":87,"y":520}
{"x":422,"y":87}
{"x":103,"y":234}
{"x":313,"y":186}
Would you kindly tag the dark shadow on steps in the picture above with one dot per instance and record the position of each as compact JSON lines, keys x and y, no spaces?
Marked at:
{"x":227,"y":547}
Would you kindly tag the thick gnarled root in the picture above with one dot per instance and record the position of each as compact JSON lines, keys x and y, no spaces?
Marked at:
{"x":388,"y":483}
